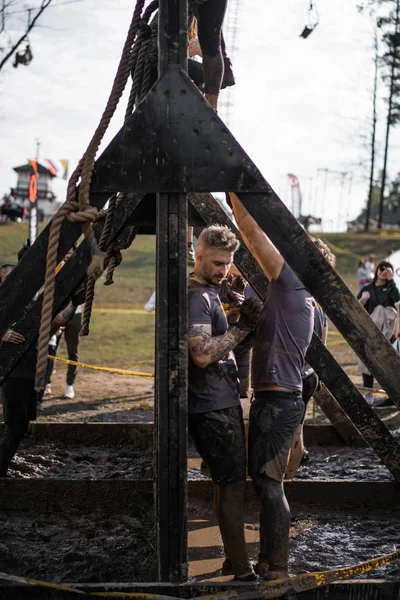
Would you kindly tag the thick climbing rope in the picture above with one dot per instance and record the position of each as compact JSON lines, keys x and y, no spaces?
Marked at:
{"x":77,"y":207}
{"x":105,"y":235}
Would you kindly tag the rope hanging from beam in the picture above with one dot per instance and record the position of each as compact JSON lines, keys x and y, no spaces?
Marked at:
{"x":77,"y":208}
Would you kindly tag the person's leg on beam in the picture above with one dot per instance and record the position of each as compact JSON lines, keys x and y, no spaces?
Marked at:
{"x":210,"y":17}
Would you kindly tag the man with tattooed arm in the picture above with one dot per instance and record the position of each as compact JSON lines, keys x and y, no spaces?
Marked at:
{"x":215,"y":413}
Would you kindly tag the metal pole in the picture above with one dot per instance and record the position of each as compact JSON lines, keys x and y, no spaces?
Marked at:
{"x":171,"y":334}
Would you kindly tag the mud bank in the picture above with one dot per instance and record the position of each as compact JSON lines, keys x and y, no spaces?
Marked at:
{"x":79,"y":547}
{"x":59,"y":461}
{"x":55,"y":461}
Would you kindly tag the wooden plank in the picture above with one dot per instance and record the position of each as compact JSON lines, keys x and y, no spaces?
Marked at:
{"x":171,"y":388}
{"x":328,"y":288}
{"x":370,"y":589}
{"x":356,"y":407}
{"x":370,"y":426}
{"x":337,"y":416}
{"x":67,"y":279}
{"x":171,"y":331}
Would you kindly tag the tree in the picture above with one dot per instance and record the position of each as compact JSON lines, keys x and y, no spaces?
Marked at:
{"x":388,"y":20}
{"x":16,"y":22}
{"x":373,"y":134}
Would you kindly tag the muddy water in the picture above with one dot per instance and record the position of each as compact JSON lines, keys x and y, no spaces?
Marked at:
{"x":98,"y":547}
{"x":317,"y":541}
{"x":331,"y":541}
{"x":335,"y":462}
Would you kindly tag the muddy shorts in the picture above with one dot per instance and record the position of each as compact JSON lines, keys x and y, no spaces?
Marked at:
{"x":220,"y":441}
{"x":274,"y":418}
{"x":19,"y":404}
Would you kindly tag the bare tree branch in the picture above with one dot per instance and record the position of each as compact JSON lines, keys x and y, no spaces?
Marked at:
{"x":45,"y":4}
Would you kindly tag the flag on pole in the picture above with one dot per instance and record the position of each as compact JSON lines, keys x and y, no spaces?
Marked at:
{"x":33,"y":179}
{"x":57,"y":167}
{"x":51,"y":166}
{"x":64,"y":163}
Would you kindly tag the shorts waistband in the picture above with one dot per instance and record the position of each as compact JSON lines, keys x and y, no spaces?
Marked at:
{"x":277,"y":395}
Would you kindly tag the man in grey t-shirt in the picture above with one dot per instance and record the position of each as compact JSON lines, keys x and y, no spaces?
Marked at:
{"x":215,"y":413}
{"x":282,"y":337}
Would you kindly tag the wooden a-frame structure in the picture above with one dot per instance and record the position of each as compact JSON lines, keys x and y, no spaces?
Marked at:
{"x":174,"y":148}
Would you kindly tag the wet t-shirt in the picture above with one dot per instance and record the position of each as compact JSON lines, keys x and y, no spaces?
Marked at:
{"x":216,"y":386}
{"x":283,"y":333}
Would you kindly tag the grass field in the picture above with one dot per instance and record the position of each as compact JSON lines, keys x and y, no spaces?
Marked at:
{"x":122,"y":333}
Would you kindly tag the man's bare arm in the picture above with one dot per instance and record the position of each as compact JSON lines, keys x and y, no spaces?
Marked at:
{"x":63,"y":317}
{"x":205,"y":349}
{"x":259,"y":244}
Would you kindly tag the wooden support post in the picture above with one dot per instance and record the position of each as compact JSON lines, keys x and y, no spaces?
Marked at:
{"x":171,"y":388}
{"x":171,"y":337}
{"x":337,"y":416}
{"x":361,"y":414}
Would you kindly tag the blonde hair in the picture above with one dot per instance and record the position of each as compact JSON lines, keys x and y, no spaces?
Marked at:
{"x":325,"y":251}
{"x":220,"y":237}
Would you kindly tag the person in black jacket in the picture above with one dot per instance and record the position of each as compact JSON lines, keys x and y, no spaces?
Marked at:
{"x":18,"y":390}
{"x":382,"y":291}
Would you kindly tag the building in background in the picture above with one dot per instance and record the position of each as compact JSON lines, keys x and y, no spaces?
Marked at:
{"x":47,"y":204}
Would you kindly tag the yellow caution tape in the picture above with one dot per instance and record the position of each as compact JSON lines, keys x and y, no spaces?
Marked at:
{"x":124,"y":311}
{"x":264,"y":590}
{"x":106,"y":369}
{"x":367,"y":389}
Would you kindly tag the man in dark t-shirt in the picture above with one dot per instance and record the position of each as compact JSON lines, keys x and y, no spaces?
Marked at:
{"x":298,"y":453}
{"x":215,"y":413}
{"x":282,"y":337}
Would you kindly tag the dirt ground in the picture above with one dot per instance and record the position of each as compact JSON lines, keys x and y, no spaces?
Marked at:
{"x":99,"y":396}
{"x":106,"y":397}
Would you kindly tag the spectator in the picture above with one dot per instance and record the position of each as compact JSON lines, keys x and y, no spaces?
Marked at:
{"x":379,"y":299}
{"x":362,"y":275}
{"x":370,"y":266}
{"x":18,"y":390}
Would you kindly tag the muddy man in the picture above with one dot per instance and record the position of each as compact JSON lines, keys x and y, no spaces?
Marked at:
{"x":282,"y":337}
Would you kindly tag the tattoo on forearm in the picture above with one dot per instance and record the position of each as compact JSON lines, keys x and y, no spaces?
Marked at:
{"x":214,"y":347}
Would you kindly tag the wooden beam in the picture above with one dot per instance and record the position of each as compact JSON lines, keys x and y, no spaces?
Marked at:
{"x":337,"y":416}
{"x":327,"y":287}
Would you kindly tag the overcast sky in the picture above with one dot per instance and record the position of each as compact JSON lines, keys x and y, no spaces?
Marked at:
{"x":298,"y":106}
